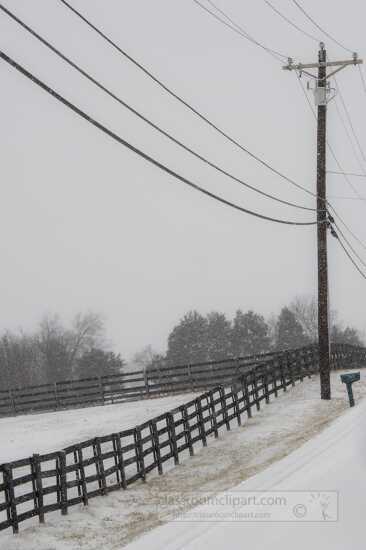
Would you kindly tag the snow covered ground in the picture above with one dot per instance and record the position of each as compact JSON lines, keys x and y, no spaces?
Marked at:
{"x":286,"y":424}
{"x":21,"y":436}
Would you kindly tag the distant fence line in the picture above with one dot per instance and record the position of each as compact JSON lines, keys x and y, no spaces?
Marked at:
{"x":54,"y":481}
{"x":105,"y":390}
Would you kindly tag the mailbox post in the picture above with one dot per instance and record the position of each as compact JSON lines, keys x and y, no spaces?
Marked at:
{"x":348,"y":379}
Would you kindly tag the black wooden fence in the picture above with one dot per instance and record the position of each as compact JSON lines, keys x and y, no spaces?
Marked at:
{"x":44,"y":483}
{"x":128,"y":386}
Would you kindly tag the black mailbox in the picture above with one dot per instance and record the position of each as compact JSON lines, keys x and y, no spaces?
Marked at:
{"x":348,"y":379}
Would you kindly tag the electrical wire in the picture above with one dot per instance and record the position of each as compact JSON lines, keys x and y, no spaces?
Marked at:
{"x":182,"y":101}
{"x":145,"y":119}
{"x":349,"y":139}
{"x":231,"y":24}
{"x":337,"y":197}
{"x":350,"y":245}
{"x":276,"y":10}
{"x":338,"y":88}
{"x":134,"y":149}
{"x":348,"y":228}
{"x":350,"y":257}
{"x":328,"y":144}
{"x":331,"y":207}
{"x":320,"y":28}
{"x":346,"y":174}
{"x":363,"y":81}
{"x":350,"y":120}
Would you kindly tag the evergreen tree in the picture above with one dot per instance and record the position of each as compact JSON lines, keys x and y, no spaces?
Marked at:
{"x":187,"y":343}
{"x":97,"y":362}
{"x":218,"y":336}
{"x":290,"y":334}
{"x":249,"y":335}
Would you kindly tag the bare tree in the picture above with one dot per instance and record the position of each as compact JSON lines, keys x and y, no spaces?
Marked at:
{"x":305,"y":309}
{"x":87,"y":333}
{"x":61,"y":348}
{"x":144,"y":358}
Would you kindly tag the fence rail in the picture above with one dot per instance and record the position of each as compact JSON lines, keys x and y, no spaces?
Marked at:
{"x":54,"y":481}
{"x":105,"y":390}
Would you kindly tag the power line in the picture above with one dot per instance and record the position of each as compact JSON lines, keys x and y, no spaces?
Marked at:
{"x":137,"y":151}
{"x":363,"y":81}
{"x":238,"y":29}
{"x":346,"y":174}
{"x":337,"y":197}
{"x":328,"y":144}
{"x":349,"y":256}
{"x":350,"y":120}
{"x":320,"y":28}
{"x":142,"y":117}
{"x":182,"y":101}
{"x":276,"y":10}
{"x":349,"y":244}
{"x":349,"y":137}
{"x":338,"y":86}
{"x":341,"y":172}
{"x":348,"y":228}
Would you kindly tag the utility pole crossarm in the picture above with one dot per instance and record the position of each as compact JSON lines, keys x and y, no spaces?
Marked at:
{"x":300,"y":66}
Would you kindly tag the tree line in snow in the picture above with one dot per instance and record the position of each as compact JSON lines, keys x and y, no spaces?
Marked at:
{"x":54,"y":352}
{"x":199,"y":338}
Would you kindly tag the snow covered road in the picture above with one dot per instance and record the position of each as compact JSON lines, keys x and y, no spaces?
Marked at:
{"x":334,"y":460}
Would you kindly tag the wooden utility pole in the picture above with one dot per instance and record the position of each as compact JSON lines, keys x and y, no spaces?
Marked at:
{"x":321,"y":92}
{"x":323,"y":322}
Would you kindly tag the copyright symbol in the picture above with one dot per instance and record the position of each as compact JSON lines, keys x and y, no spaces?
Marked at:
{"x":299,"y":511}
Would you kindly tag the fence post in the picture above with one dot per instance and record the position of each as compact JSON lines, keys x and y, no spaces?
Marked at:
{"x":255,"y":388}
{"x":224,"y":407}
{"x":8,"y":473}
{"x":187,"y":429}
{"x":55,"y":395}
{"x":201,"y":426}
{"x":6,"y":493}
{"x":156,"y":446}
{"x":61,"y":481}
{"x":290,"y":367}
{"x":265,"y":383}
{"x":101,"y":389}
{"x":78,"y":456}
{"x":283,"y":373}
{"x":146,"y":382}
{"x":121,"y":477}
{"x":36,"y":467}
{"x":97,"y":450}
{"x":213,"y":414}
{"x":190,"y":376}
{"x":274,"y":376}
{"x":139,"y":454}
{"x":172,"y":437}
{"x":11,"y":396}
{"x":235,"y":402}
{"x":247,"y":396}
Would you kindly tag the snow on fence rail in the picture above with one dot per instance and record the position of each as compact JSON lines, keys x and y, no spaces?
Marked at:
{"x":109,"y":389}
{"x":54,"y":481}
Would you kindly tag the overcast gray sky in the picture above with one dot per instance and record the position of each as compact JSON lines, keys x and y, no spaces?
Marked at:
{"x":86,"y":224}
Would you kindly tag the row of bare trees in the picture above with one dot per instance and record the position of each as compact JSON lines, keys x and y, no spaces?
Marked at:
{"x":56,"y":352}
